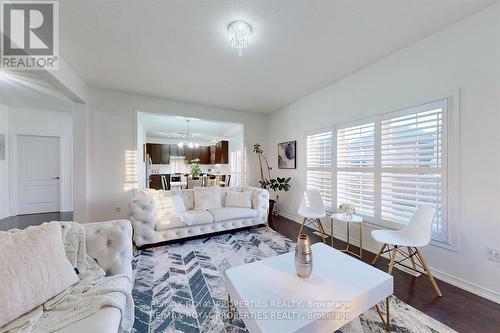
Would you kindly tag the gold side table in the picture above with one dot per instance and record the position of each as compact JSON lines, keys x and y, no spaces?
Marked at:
{"x":353,"y":219}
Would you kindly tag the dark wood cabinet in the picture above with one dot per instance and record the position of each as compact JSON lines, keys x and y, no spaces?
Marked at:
{"x":155,"y":182}
{"x":204,"y":154}
{"x":212,"y":155}
{"x":154,"y":151}
{"x":222,"y":152}
{"x":216,"y":154}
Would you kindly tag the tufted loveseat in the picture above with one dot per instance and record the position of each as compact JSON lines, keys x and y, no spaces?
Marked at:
{"x":145,"y":220}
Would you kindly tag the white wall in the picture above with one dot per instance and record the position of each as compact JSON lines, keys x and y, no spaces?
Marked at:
{"x":141,"y":141}
{"x":114,"y":130}
{"x":4,"y":165}
{"x":43,"y":123}
{"x":465,"y":56}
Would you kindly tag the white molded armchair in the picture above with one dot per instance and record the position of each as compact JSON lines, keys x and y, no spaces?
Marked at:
{"x":312,"y":209}
{"x":416,"y":234}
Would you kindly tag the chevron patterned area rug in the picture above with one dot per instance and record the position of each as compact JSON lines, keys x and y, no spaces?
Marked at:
{"x":180,"y":287}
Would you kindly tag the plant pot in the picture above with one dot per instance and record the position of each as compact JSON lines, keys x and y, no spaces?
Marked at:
{"x":271,"y":209}
{"x":196,"y":178}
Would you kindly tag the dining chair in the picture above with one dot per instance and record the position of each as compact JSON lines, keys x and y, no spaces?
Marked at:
{"x":222,"y":180}
{"x":312,"y":209}
{"x":191,"y":183}
{"x":164,"y":182}
{"x":416,"y":234}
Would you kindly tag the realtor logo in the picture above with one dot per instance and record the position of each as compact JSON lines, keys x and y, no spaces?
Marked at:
{"x":30,"y":35}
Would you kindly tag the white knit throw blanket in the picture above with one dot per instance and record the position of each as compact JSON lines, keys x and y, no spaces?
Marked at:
{"x":94,"y":291}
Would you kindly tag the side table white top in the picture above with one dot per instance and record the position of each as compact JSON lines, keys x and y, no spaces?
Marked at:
{"x":257,"y":288}
{"x":341,"y":217}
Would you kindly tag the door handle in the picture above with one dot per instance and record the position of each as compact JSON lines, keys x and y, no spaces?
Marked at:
{"x":55,"y":178}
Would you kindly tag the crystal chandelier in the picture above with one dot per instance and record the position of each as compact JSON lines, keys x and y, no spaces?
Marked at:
{"x":239,"y":35}
{"x":189,"y":138}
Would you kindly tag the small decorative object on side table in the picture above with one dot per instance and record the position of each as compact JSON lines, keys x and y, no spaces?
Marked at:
{"x":347,"y":209}
{"x":303,"y":257}
{"x":343,"y":217}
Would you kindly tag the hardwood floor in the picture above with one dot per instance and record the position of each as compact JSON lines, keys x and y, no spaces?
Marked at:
{"x":458,"y":309}
{"x":24,"y":221}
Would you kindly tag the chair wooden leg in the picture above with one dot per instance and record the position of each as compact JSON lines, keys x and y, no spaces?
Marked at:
{"x":393,"y":258}
{"x":410,"y":253}
{"x":382,"y":248}
{"x":428,"y":271}
{"x":321,"y":230}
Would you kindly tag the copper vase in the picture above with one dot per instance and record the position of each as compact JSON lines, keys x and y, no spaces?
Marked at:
{"x":303,"y":257}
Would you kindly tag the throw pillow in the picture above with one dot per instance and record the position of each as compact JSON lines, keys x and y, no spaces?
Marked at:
{"x":34,"y":269}
{"x":239,"y":199}
{"x":206,"y":198}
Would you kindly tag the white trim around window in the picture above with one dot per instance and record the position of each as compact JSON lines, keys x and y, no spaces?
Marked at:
{"x":392,"y":163}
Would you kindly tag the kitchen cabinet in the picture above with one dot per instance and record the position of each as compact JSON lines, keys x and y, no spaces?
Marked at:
{"x":216,"y":154}
{"x":222,"y":152}
{"x":154,"y":151}
{"x":155,"y":181}
{"x":204,"y":154}
{"x":212,"y":155}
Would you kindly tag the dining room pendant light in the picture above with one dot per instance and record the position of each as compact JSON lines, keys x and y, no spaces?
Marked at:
{"x":189,"y":138}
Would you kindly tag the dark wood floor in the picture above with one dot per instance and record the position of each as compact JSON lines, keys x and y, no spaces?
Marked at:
{"x":24,"y":221}
{"x":458,"y":309}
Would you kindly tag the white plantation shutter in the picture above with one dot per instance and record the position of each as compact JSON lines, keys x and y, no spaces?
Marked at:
{"x":355,"y":167}
{"x":413,"y":140}
{"x":412,"y":172}
{"x":236,"y":168}
{"x":319,"y":164}
{"x":387,"y":166}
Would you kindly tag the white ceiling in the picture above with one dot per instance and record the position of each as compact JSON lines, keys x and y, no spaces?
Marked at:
{"x":168,"y":127}
{"x":178,"y":49}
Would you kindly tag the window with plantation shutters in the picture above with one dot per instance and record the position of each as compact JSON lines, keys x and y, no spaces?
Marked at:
{"x":412,"y":159}
{"x":319,"y":164}
{"x":388,"y":166}
{"x":355,"y":167}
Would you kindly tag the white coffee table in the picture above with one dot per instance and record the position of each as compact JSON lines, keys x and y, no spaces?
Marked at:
{"x":270,"y":297}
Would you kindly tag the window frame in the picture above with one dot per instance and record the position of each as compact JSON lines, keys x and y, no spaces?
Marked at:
{"x":450,"y":155}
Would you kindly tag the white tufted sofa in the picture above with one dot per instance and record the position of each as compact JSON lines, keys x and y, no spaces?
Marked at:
{"x":110,"y":244}
{"x":144,"y":220}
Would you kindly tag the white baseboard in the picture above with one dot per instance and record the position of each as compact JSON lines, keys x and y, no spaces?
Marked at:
{"x":443,"y":276}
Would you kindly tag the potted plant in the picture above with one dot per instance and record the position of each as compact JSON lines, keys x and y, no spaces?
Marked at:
{"x":195,"y":168}
{"x":276,"y":184}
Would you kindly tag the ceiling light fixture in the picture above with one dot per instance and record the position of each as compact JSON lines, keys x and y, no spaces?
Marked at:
{"x":189,"y":138}
{"x":240,"y":33}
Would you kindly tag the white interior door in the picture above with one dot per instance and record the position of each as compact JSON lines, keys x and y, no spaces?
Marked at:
{"x":39,"y":174}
